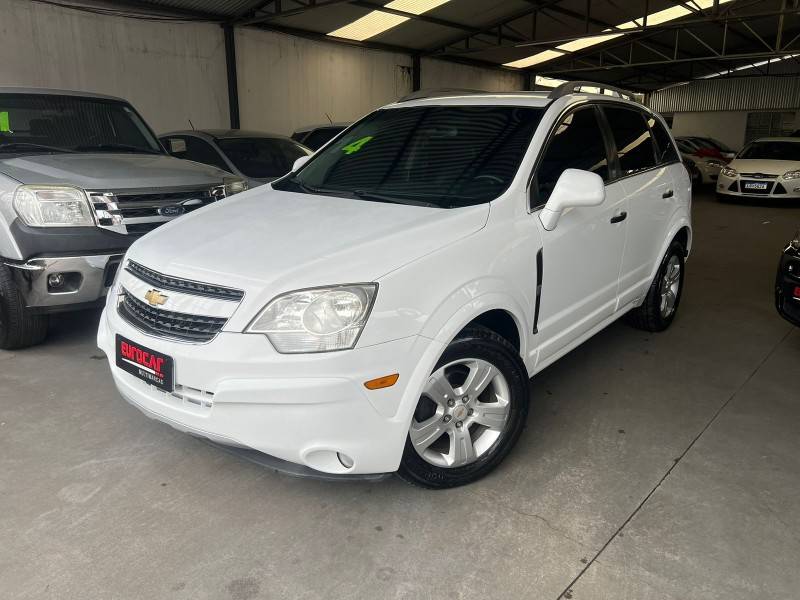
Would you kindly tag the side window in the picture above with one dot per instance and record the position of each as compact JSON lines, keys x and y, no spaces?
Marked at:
{"x":201,"y":151}
{"x":633,"y":140}
{"x":176,"y":146}
{"x":666,"y":149}
{"x":577,"y":143}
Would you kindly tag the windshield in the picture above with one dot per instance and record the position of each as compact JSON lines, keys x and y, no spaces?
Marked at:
{"x":31,"y":123}
{"x":262,"y":158}
{"x":441,"y":156}
{"x":772,"y":151}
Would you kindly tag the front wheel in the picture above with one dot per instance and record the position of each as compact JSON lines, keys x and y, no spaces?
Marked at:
{"x":470,"y":414}
{"x":19,"y":328}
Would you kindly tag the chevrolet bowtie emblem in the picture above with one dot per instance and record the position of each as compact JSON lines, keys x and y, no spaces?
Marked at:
{"x":155,"y":298}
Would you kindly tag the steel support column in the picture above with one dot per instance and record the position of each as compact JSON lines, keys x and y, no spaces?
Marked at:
{"x":233,"y":82}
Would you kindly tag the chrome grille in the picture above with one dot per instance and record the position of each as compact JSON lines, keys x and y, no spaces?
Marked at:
{"x":186,"y":286}
{"x":758,"y":175}
{"x":169,"y":324}
{"x":134,"y":212}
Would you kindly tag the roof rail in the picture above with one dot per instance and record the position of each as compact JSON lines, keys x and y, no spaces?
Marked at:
{"x":439,"y":93}
{"x":571,"y":87}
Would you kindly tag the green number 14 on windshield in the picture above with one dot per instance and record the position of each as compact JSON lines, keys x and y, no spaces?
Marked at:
{"x":356,"y":146}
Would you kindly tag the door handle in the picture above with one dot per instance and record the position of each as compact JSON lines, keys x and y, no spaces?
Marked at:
{"x":667,"y":194}
{"x":620,"y":217}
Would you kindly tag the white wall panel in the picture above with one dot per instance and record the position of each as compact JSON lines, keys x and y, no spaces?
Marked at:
{"x":169,"y":71}
{"x":726,"y":126}
{"x":286,"y":82}
{"x":442,"y":74}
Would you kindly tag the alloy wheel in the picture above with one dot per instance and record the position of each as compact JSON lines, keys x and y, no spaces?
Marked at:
{"x":462,"y":413}
{"x":670,"y":286}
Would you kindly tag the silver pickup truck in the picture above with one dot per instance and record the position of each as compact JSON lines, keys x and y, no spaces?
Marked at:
{"x":82,"y":176}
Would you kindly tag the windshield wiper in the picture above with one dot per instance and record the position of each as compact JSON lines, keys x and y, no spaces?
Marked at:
{"x":368,"y":195}
{"x":116,"y":147}
{"x":14,"y":146}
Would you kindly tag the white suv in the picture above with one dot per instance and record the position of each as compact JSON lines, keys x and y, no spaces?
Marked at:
{"x":382,"y":307}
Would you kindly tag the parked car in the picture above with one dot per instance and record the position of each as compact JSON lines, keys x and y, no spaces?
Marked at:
{"x":382,"y":308}
{"x":703,"y":162}
{"x":765,"y":168}
{"x":316,"y":136}
{"x":710,"y":147}
{"x":81,"y":177}
{"x":254,"y":156}
{"x":787,"y":283}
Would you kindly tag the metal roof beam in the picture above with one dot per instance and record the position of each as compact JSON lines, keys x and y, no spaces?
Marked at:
{"x":279,"y":11}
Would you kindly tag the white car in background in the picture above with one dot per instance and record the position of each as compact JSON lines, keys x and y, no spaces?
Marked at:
{"x":703,"y":160}
{"x":382,"y":308}
{"x":765,"y":168}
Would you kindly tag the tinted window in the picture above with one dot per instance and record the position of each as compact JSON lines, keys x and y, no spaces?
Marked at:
{"x":201,"y":151}
{"x":444,"y":156}
{"x":42,"y":122}
{"x":772,"y":151}
{"x":319,"y":137}
{"x":577,"y":143}
{"x":262,"y":158}
{"x":666,"y":149}
{"x":633,"y":140}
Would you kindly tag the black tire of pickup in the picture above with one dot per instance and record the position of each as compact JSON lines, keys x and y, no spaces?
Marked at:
{"x":19,"y":327}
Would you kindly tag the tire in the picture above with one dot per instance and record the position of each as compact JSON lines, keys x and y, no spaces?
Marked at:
{"x":651,"y":315}
{"x":489,"y":422}
{"x":19,"y":328}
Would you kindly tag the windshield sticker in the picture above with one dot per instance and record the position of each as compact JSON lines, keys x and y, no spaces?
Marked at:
{"x":4,"y":124}
{"x":357,"y":145}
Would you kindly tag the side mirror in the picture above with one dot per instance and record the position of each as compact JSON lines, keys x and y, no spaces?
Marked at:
{"x":299,"y":163}
{"x":574,"y":188}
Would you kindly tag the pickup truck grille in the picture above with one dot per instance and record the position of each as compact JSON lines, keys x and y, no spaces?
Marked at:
{"x":134,"y":212}
{"x":168,"y":324}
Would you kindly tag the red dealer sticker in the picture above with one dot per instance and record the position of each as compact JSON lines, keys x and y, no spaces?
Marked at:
{"x":146,"y":364}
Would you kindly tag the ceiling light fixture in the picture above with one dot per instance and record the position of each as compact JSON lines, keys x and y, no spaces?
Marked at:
{"x":656,"y":18}
{"x":378,"y":21}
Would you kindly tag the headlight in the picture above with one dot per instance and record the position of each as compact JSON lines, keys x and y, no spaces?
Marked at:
{"x":53,"y":206}
{"x":316,"y":320}
{"x":234,"y":185}
{"x":715,"y":164}
{"x":791,"y":175}
{"x":729,"y":171}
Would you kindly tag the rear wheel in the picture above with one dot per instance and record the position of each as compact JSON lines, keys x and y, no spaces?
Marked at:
{"x":470,"y":414}
{"x":19,"y":328}
{"x":664,"y":296}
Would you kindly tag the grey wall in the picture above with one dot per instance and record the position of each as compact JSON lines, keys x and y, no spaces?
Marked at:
{"x":442,"y":74}
{"x":286,"y":81}
{"x":726,"y":126}
{"x":169,"y":71}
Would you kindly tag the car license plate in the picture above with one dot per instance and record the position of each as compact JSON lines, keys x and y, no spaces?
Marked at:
{"x":148,"y":365}
{"x":755,"y":185}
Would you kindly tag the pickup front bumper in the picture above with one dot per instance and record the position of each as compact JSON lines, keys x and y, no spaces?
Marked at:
{"x":63,"y":283}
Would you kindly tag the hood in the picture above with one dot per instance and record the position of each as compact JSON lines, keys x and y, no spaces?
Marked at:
{"x":267,"y":242}
{"x":107,"y":171}
{"x":768,"y":167}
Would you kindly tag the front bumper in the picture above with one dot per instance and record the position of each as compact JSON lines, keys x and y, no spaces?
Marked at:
{"x":776,"y":189}
{"x":86,"y":280}
{"x":310,"y":410}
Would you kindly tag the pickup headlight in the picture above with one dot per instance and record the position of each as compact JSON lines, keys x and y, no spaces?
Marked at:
{"x":316,"y":320}
{"x":791,"y":175}
{"x":234,"y":185}
{"x":729,"y":171}
{"x":53,"y":206}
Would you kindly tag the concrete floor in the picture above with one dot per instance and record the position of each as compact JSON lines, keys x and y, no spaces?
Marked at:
{"x":653,"y":467}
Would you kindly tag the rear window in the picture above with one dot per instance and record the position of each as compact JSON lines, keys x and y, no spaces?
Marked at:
{"x":443,"y":156}
{"x":262,"y":158}
{"x":772,"y":151}
{"x":633,"y":139}
{"x":666,"y":149}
